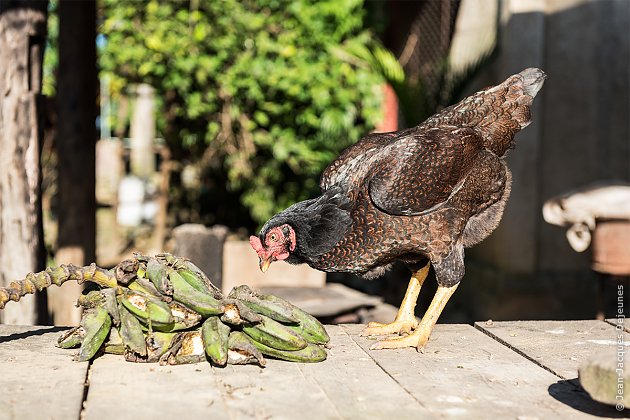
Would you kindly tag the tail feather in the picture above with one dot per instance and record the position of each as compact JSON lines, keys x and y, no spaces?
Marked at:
{"x":532,"y":80}
{"x":496,"y":113}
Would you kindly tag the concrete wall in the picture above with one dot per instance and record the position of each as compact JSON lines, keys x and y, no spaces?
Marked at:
{"x":580,"y":134}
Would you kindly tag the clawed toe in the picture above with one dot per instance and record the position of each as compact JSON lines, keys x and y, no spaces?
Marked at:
{"x":396,"y":327}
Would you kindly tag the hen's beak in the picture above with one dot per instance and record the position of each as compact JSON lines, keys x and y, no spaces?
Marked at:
{"x":265,"y":263}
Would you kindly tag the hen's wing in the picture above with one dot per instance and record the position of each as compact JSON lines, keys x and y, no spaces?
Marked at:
{"x":421,"y":170}
{"x":354,"y":163}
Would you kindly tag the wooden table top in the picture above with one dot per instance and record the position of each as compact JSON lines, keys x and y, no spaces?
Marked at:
{"x":521,"y":369}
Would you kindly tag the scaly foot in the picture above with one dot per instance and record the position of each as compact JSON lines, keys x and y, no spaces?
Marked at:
{"x":405,"y":321}
{"x":402,"y":326}
{"x":420,"y":336}
{"x":418,"y":339}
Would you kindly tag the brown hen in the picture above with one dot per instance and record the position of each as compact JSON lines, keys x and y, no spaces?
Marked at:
{"x":419,"y":196}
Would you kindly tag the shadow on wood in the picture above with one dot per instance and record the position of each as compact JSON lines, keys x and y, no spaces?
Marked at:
{"x":32,"y":333}
{"x":569,"y":392}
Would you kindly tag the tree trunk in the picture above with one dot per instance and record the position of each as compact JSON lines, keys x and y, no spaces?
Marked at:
{"x":22,"y":40}
{"x":76,"y":148}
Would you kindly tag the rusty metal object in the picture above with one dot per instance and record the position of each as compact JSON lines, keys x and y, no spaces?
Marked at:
{"x":611,"y":247}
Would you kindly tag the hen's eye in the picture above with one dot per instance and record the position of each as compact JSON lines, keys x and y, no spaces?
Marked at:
{"x":273,"y":237}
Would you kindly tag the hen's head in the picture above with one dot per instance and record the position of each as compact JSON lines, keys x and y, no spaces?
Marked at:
{"x":275,"y":243}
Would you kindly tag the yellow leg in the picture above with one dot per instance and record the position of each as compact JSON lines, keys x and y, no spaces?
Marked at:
{"x":405,"y":320}
{"x":421,"y":335}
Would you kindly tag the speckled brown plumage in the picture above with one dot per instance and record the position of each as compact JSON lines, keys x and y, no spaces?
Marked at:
{"x":424,"y":192}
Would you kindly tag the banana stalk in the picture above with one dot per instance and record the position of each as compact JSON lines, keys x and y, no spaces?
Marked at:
{"x":57,"y":276}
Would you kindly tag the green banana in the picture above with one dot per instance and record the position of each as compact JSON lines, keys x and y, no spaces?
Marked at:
{"x":197,"y":278}
{"x":241,"y":350}
{"x":147,"y":308}
{"x":131,"y":332}
{"x":215,"y":336}
{"x":311,"y":328}
{"x":273,"y":334}
{"x":187,"y":348}
{"x":310,"y":354}
{"x":71,"y":338}
{"x":96,"y":322}
{"x":158,"y":343}
{"x":276,"y":311}
{"x":114,"y":343}
{"x":111,"y":304}
{"x":203,"y":303}
{"x":236,"y":312}
{"x":194,"y":280}
{"x":157,"y":273}
{"x":145,"y":286}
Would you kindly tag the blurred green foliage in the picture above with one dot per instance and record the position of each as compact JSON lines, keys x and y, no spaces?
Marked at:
{"x":262,"y":92}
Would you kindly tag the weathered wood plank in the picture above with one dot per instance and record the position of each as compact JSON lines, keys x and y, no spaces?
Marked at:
{"x":119,"y":389}
{"x":39,"y":380}
{"x":624,"y":322}
{"x":465,"y":373}
{"x":278,"y":391}
{"x":357,"y":386}
{"x":559,"y":346}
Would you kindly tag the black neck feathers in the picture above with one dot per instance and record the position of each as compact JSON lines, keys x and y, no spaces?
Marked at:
{"x":318,"y":223}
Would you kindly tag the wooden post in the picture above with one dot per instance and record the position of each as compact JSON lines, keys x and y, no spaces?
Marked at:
{"x":143,"y":133}
{"x":76,"y":147}
{"x":22,"y":40}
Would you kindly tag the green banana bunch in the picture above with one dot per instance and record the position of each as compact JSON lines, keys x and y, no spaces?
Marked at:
{"x":165,"y":309}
